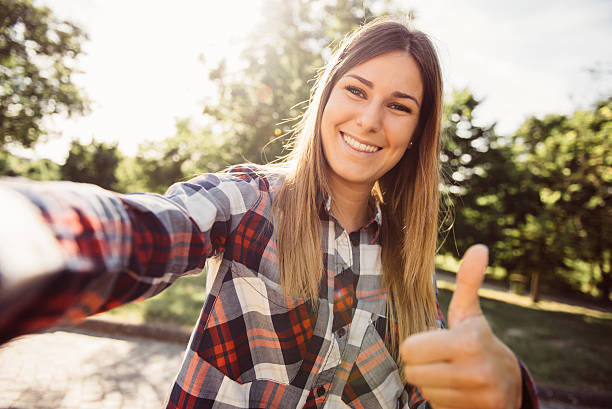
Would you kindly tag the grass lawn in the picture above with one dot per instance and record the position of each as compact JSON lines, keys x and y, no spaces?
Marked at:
{"x":179,"y":305}
{"x":560,"y":348}
{"x":562,"y":345}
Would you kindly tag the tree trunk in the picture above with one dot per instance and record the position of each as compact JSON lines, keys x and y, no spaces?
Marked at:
{"x":535,"y":286}
{"x":605,"y":286}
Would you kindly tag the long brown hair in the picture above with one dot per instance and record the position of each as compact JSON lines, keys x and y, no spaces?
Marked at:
{"x":408,"y":193}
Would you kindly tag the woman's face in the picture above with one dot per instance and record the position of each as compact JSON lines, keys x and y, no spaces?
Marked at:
{"x":370,"y":118}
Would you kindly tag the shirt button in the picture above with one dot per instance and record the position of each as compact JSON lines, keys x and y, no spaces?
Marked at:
{"x":341,"y":332}
{"x":320,"y":391}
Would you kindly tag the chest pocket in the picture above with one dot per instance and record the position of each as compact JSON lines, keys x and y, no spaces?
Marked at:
{"x":253,"y":331}
{"x":374,"y":368}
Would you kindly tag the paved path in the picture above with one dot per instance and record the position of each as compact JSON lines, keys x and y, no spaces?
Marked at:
{"x":68,"y":370}
{"x":84,"y":370}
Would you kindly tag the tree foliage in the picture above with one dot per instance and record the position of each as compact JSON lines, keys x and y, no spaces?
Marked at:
{"x":37,"y":63}
{"x":539,"y":199}
{"x":94,"y":163}
{"x":569,"y":160}
{"x":472,"y":156}
{"x":159,"y":164}
{"x":41,"y":169}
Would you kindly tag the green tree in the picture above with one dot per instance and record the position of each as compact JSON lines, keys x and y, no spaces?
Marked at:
{"x":92,"y":163}
{"x":594,"y":192}
{"x":485,"y":190}
{"x":569,"y":160}
{"x":493,"y":201}
{"x":467,"y":167}
{"x":159,"y":164}
{"x":37,"y":61}
{"x":41,"y":169}
{"x":539,"y":199}
{"x":130,"y":176}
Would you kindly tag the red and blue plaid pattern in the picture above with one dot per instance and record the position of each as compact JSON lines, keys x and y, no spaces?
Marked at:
{"x":253,"y":346}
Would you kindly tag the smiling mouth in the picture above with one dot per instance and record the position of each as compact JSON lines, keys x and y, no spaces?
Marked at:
{"x":358,"y":146}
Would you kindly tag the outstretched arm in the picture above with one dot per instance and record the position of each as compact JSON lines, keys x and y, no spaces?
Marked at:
{"x":109,"y":249}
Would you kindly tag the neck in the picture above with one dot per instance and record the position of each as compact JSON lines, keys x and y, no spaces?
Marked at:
{"x":350,"y":204}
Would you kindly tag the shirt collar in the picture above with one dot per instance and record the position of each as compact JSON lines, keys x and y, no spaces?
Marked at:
{"x":374,"y":204}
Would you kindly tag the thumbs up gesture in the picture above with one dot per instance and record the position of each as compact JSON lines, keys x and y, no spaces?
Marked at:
{"x":465,"y":366}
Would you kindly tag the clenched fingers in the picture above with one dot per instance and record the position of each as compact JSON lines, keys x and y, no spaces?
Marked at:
{"x":461,"y":399}
{"x":444,"y":375}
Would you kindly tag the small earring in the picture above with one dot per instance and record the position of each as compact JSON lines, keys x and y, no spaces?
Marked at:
{"x":410,"y":144}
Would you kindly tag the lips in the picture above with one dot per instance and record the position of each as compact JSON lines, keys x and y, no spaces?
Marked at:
{"x":358,"y":146}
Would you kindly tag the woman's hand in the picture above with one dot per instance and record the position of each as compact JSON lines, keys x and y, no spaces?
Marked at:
{"x":28,"y":248}
{"x":465,"y":366}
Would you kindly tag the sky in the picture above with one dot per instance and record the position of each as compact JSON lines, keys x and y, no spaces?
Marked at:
{"x":146,"y":62}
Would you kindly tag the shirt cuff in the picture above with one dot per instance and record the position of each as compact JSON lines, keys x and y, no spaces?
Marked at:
{"x":529,"y":399}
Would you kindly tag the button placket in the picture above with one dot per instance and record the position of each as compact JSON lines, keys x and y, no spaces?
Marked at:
{"x":344,"y":251}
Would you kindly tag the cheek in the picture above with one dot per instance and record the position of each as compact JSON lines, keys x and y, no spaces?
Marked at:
{"x":327,"y":133}
{"x":326,"y":130}
{"x":328,"y":113}
{"x":400,"y":134}
{"x":397,"y":157}
{"x":335,"y":109}
{"x":332,"y":116}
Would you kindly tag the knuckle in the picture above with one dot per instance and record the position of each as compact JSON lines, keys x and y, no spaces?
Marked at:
{"x":488,"y":371}
{"x":409,"y":376}
{"x":473,"y":342}
{"x":407,"y":357}
{"x":479,"y":376}
{"x":480,"y":379}
{"x":470,"y":344}
{"x":425,"y":393}
{"x":495,"y":401}
{"x":405,"y":351}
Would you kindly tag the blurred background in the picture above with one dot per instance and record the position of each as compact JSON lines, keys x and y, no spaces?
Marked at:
{"x":134,"y":96}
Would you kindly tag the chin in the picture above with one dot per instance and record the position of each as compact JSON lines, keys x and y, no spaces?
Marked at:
{"x":356,"y":177}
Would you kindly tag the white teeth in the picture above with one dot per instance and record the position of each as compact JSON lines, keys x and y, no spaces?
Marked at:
{"x":358,"y":145}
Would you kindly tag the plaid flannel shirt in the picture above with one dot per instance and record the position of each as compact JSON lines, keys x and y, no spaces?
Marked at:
{"x":252,"y":346}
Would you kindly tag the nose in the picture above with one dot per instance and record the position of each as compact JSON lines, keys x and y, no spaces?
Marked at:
{"x":370,"y":117}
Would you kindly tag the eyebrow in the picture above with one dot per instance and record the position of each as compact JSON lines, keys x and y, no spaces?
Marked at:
{"x":396,"y":94}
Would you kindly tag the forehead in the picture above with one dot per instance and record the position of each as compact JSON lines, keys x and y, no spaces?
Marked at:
{"x":390,"y":72}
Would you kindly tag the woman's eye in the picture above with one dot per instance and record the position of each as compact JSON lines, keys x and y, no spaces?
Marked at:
{"x":355,"y":91}
{"x":401,"y":107}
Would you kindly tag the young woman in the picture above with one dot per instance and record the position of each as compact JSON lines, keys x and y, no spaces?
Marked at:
{"x":324,"y":264}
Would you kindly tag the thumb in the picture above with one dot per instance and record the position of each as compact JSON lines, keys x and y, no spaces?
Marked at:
{"x":464,"y":302}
